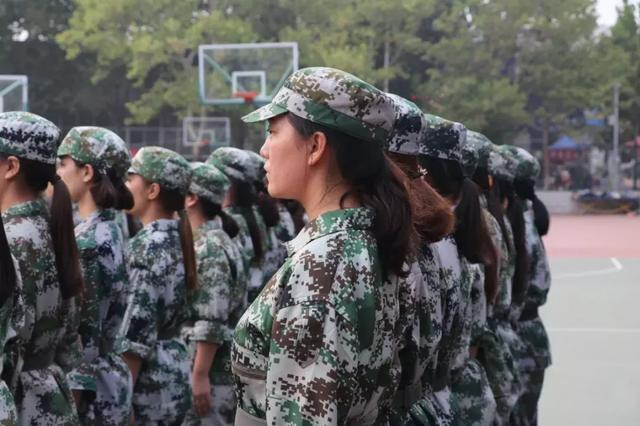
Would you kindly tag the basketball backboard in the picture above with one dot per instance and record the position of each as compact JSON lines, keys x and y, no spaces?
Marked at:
{"x":231,"y":74}
{"x":14,"y":92}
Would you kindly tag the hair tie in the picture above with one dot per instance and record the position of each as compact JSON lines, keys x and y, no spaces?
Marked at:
{"x":55,"y":179}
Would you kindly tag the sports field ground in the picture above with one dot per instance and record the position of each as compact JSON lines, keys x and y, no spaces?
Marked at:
{"x":593,"y":319}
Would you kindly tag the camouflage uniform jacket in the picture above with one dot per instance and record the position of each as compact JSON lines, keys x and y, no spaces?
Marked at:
{"x":285,"y":229}
{"x":221,"y":297}
{"x":12,"y":325}
{"x":156,"y":310}
{"x":456,"y":309}
{"x":49,"y":320}
{"x":531,"y":330}
{"x":317,"y":345}
{"x":101,"y":246}
{"x":243,"y":239}
{"x":502,"y":304}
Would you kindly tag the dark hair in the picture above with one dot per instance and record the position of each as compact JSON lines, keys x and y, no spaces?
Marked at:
{"x":212,"y":210}
{"x":526,"y":190}
{"x":471,"y":232}
{"x":515,"y":215}
{"x":133,"y":225}
{"x":36,"y":176}
{"x":245,"y":199}
{"x":432,"y":214}
{"x":173,"y":201}
{"x":378,"y":183}
{"x":494,"y":202}
{"x":109,"y":190}
{"x":8,"y":274}
{"x":267,"y":206}
{"x":297,"y":214}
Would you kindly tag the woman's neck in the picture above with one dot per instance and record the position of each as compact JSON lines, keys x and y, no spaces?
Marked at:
{"x":86,"y":205}
{"x":153,"y":213}
{"x":13,"y":196}
{"x":317,"y":203}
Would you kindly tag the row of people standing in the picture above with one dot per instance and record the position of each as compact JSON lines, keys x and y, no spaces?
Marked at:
{"x":397,"y":302}
{"x":97,"y":329}
{"x":411,"y":296}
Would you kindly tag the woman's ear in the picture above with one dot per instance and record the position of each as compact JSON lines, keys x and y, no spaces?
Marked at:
{"x":87,"y":173}
{"x":317,"y":148}
{"x":153,"y":191}
{"x":191,"y":200}
{"x":13,"y":168}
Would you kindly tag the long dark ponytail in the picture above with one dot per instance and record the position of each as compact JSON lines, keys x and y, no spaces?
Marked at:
{"x":36,"y":176}
{"x":379,"y":184}
{"x":173,"y":201}
{"x":471,"y":232}
{"x":212,"y":210}
{"x":515,"y":215}
{"x":8,"y":273}
{"x":526,"y":190}
{"x":246,"y":198}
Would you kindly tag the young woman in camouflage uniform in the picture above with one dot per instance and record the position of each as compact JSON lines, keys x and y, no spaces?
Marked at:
{"x":501,"y":342}
{"x":537,"y":355}
{"x":12,"y":321}
{"x":318,"y":344}
{"x":240,"y":202}
{"x":218,"y":302}
{"x":42,"y":240}
{"x":93,"y":164}
{"x":162,"y":270}
{"x":423,"y":301}
{"x":469,"y":263}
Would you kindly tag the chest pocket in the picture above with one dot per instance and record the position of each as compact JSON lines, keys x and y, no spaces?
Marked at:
{"x":298,"y":332}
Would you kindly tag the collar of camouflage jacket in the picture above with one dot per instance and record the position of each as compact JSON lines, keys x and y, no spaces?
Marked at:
{"x":210,"y":225}
{"x":36,"y":207}
{"x":96,"y":217}
{"x":159,"y":225}
{"x":331,"y":222}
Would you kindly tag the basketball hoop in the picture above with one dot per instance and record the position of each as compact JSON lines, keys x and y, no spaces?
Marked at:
{"x":248,"y":97}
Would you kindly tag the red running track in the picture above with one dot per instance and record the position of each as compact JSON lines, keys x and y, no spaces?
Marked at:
{"x":593,"y":237}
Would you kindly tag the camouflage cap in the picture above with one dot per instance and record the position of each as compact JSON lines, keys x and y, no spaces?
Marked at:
{"x":527,"y":166}
{"x":163,"y":166}
{"x":28,"y":136}
{"x":256,"y":172}
{"x":481,"y":145}
{"x":237,"y":164}
{"x":208,"y":182}
{"x":444,"y":139}
{"x":409,"y":129}
{"x":501,"y":166}
{"x":333,"y":98}
{"x":97,"y":146}
{"x":469,"y":159}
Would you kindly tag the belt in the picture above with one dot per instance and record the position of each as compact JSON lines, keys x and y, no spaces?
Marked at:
{"x":38,"y":362}
{"x":529,"y":313}
{"x":245,"y":419}
{"x":168,"y":333}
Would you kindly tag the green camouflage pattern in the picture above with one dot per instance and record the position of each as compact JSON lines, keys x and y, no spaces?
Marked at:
{"x":335,"y":99}
{"x":527,"y":166}
{"x":12,"y":326}
{"x":286,"y":228}
{"x":317,"y":345}
{"x":237,"y":164}
{"x":243,"y":238}
{"x":434,"y":409}
{"x":42,"y":396}
{"x":156,"y":310}
{"x":502,"y":164}
{"x":100,"y":147}
{"x":475,"y":403}
{"x":444,"y":139}
{"x":208,"y":182}
{"x":29,"y":136}
{"x":160,"y":165}
{"x":476,"y":151}
{"x":256,"y":172}
{"x":214,"y":310}
{"x":409,"y":129}
{"x":102,"y":375}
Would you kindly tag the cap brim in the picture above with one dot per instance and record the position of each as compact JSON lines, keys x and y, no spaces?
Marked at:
{"x":264,"y":113}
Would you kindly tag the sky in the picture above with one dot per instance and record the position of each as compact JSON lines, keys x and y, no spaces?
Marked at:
{"x":606,"y":10}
